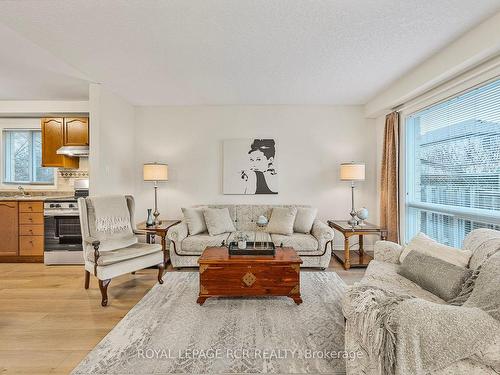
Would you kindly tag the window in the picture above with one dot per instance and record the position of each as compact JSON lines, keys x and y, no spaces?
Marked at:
{"x":453,"y":166}
{"x":23,"y":158}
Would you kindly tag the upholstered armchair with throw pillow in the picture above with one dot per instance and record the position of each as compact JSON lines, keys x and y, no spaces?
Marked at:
{"x":110,"y":244}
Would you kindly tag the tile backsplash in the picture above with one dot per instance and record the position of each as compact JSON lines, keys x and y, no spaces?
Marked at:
{"x":66,"y":177}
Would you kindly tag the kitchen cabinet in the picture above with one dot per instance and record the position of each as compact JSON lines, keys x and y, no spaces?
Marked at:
{"x":21,"y":231}
{"x":31,"y":245}
{"x":58,"y":132}
{"x":8,"y":228}
{"x":76,"y":131}
{"x":52,"y":140}
{"x":31,"y":228}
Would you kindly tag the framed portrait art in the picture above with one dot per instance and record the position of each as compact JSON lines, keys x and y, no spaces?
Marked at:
{"x":250,"y":166}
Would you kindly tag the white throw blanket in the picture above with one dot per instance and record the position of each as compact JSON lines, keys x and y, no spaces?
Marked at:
{"x":412,"y":336}
{"x":111,"y":215}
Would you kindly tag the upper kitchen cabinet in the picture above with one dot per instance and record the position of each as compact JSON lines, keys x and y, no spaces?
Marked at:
{"x":61,"y":132}
{"x":76,"y":131}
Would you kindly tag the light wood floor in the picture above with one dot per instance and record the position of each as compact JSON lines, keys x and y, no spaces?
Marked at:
{"x":49,"y":322}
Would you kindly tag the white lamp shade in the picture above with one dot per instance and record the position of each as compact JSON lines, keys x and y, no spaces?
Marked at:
{"x":155,"y":172}
{"x":352,"y":172}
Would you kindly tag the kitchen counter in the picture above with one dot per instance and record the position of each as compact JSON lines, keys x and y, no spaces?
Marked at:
{"x":14,"y":196}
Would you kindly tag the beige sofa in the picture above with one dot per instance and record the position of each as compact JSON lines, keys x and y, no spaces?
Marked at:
{"x":383,"y":272}
{"x":314,"y":248}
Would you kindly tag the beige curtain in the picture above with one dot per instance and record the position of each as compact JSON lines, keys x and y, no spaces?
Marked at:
{"x":389,"y":186}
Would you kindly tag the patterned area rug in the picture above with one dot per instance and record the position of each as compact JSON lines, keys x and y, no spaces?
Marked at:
{"x":167,"y":332}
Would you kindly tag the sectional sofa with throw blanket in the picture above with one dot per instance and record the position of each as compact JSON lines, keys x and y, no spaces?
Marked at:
{"x":397,"y":327}
{"x":312,"y":244}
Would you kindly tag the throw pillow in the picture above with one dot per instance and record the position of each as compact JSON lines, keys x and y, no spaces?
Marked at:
{"x":304,"y":219}
{"x":195,"y":220}
{"x":218,"y":221}
{"x":426,"y":245}
{"x":435,"y":275}
{"x":485,"y":294}
{"x":281,"y":221}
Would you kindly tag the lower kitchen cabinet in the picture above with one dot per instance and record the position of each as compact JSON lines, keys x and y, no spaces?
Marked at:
{"x":9,"y":228}
{"x":21,"y":231}
{"x":30,"y":245}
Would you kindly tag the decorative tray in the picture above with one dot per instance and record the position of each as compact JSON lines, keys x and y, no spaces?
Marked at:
{"x":253,"y":248}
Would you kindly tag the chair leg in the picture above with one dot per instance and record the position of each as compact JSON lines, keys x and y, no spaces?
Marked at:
{"x":161,"y":269}
{"x":87,"y":279}
{"x":103,"y":286}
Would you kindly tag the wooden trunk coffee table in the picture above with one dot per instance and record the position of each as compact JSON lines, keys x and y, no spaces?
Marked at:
{"x":222,"y":275}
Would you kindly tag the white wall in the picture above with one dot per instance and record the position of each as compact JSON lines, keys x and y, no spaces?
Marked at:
{"x":42,"y":107}
{"x":112,"y":139}
{"x":311,"y":142}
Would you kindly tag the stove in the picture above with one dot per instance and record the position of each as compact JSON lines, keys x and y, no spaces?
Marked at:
{"x":63,"y":236}
{"x":60,"y":206}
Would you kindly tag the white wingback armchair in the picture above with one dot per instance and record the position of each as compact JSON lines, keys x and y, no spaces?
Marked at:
{"x":109,"y":255}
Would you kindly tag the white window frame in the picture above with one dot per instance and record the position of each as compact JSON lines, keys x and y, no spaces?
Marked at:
{"x":6,"y":164}
{"x":480,"y":76}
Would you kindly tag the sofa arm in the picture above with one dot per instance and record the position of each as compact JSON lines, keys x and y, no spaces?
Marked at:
{"x":178,"y":232}
{"x":321,"y":231}
{"x":387,"y":251}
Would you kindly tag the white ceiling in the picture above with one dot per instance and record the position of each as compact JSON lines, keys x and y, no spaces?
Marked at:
{"x":189,"y":52}
{"x":29,"y":72}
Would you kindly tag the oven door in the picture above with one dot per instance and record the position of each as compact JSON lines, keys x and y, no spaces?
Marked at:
{"x":63,"y":233}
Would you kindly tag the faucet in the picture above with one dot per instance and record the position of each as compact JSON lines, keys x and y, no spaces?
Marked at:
{"x":21,"y":189}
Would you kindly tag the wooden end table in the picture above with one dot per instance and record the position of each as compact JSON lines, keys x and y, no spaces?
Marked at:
{"x":222,"y":275}
{"x":158,"y":230}
{"x":360,"y":258}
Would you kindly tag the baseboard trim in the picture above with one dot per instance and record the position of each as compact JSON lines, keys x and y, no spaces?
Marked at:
{"x":22,"y":259}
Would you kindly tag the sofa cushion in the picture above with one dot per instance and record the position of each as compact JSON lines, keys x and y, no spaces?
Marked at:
{"x":435,"y":275}
{"x":196,"y":244}
{"x":246,"y":215}
{"x":282,"y":220}
{"x":304,"y":219}
{"x":299,"y":241}
{"x":130,"y":252}
{"x":218,"y":221}
{"x":252,"y":236}
{"x":195,"y":220}
{"x":426,"y":245}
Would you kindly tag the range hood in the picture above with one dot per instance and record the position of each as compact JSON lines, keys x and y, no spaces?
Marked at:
{"x":75,"y":151}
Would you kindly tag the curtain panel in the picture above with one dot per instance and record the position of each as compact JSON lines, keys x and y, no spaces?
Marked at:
{"x":389,"y":184}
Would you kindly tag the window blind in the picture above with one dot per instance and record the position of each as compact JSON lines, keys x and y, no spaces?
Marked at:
{"x":453,"y":166}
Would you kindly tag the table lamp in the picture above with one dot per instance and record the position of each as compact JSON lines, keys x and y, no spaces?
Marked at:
{"x":352,"y":172}
{"x":155,"y":172}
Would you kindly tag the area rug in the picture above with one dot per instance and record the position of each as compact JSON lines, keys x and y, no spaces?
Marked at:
{"x":167,"y":332}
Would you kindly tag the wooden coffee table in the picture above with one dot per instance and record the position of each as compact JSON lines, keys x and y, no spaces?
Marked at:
{"x":222,"y":275}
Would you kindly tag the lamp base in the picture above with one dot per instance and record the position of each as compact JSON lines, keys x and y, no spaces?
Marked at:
{"x":352,"y":221}
{"x":156,"y":221}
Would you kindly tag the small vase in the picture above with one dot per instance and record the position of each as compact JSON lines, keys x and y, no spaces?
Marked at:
{"x":242,"y":245}
{"x":150,"y":220}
